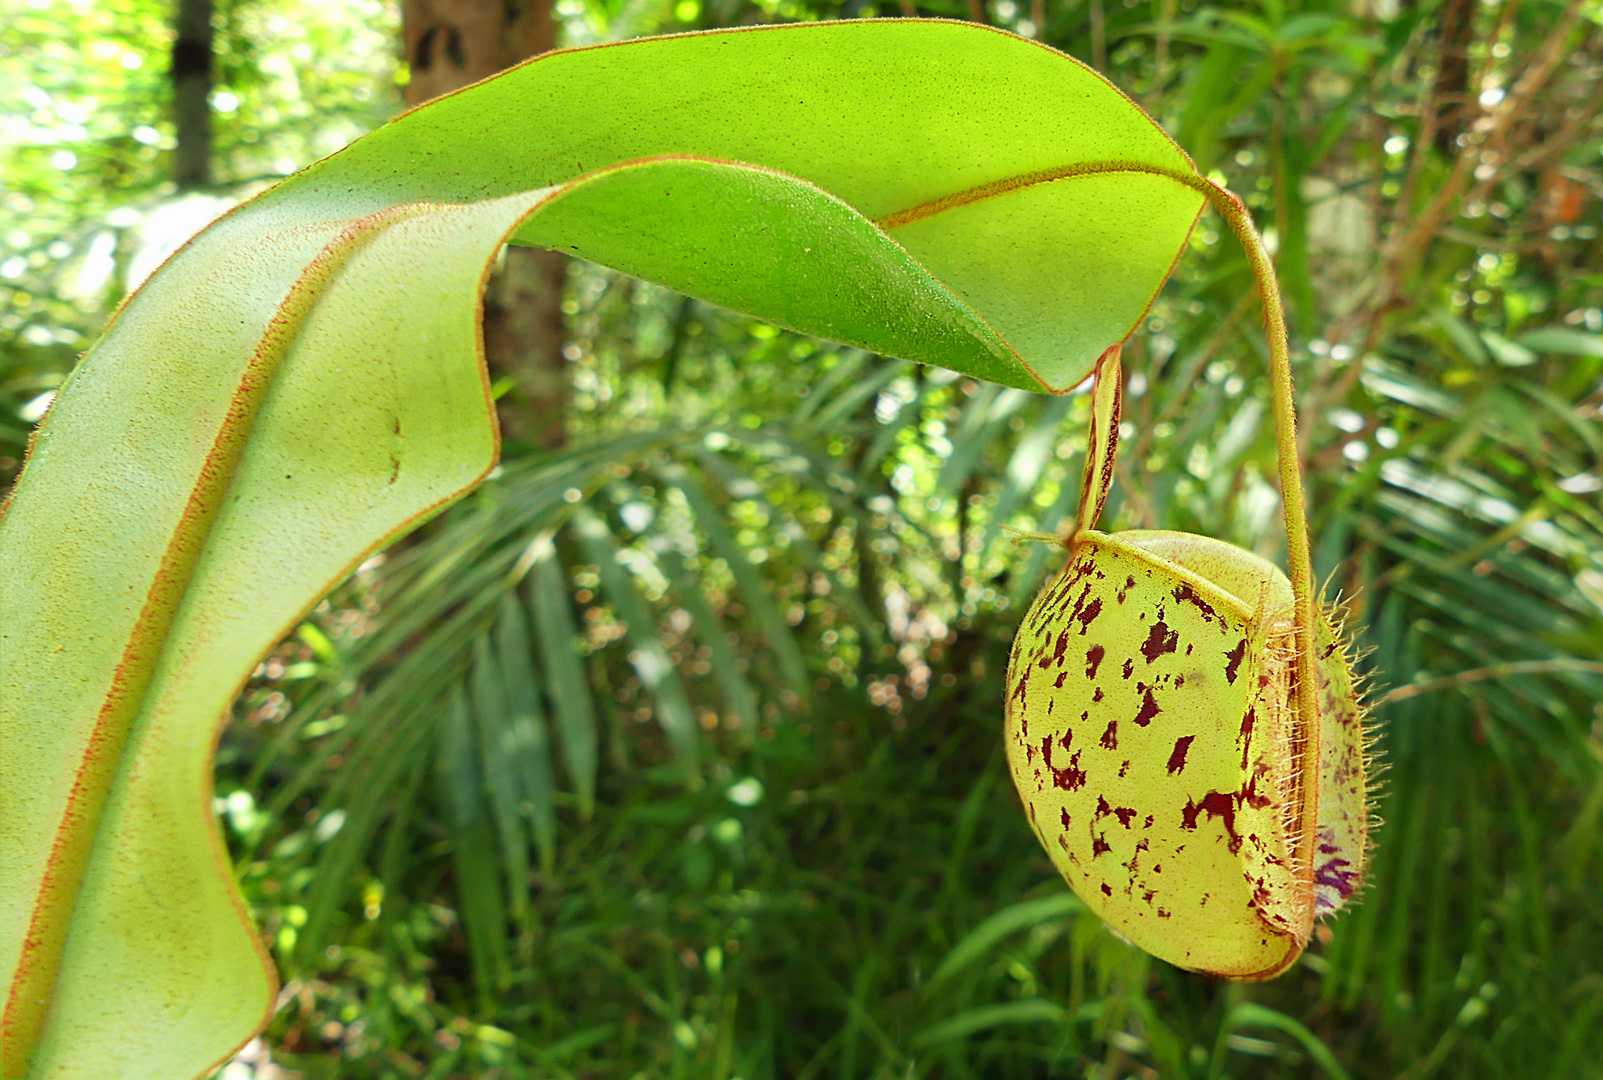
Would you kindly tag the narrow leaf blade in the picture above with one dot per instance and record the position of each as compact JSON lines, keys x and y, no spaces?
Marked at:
{"x":565,"y":675}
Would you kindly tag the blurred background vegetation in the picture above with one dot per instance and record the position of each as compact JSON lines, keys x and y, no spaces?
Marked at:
{"x":673,"y":751}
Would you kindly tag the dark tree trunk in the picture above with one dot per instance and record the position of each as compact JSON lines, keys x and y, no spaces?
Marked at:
{"x":449,"y":44}
{"x":1451,"y":95}
{"x":192,"y":85}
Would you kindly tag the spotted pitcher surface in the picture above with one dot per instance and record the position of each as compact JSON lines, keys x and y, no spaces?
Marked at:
{"x":1185,"y":790}
{"x":1153,"y":735}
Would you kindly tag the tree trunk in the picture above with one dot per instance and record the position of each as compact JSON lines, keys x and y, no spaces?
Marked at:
{"x":450,"y":44}
{"x":192,"y":86}
{"x":1451,"y":95}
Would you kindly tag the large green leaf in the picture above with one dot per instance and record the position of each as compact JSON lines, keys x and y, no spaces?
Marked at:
{"x":304,"y":381}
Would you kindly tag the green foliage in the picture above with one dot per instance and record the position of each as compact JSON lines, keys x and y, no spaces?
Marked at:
{"x":88,"y":208}
{"x":885,"y":833}
{"x":280,"y":343}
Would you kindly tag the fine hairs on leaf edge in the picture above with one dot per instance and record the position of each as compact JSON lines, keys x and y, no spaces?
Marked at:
{"x":1279,"y":648}
{"x":1337,"y":612}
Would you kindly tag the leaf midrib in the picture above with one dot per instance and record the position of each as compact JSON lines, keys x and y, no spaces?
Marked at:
{"x":1022,"y":181}
{"x":32,"y":984}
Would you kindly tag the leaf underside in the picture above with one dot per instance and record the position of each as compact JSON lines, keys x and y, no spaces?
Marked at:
{"x":305,"y":380}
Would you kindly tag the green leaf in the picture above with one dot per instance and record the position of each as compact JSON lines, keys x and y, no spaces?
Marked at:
{"x":1024,"y":468}
{"x":1464,"y":339}
{"x":781,"y":641}
{"x":1004,"y":924}
{"x":1028,"y":579}
{"x":565,"y":674}
{"x":846,"y":403}
{"x":1249,"y":1014}
{"x":455,"y":768}
{"x":1563,"y":341}
{"x":737,"y":692}
{"x":478,"y":888}
{"x":648,"y":654}
{"x":477,"y":873}
{"x":1506,"y":352}
{"x":201,"y":538}
{"x":984,"y":1017}
{"x":303,"y":381}
{"x":498,"y":752}
{"x":830,"y":482}
{"x":529,"y":745}
{"x":339,"y":865}
{"x":983,"y":421}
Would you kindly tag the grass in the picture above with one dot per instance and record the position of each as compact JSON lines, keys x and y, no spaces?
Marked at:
{"x":882,"y":910}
